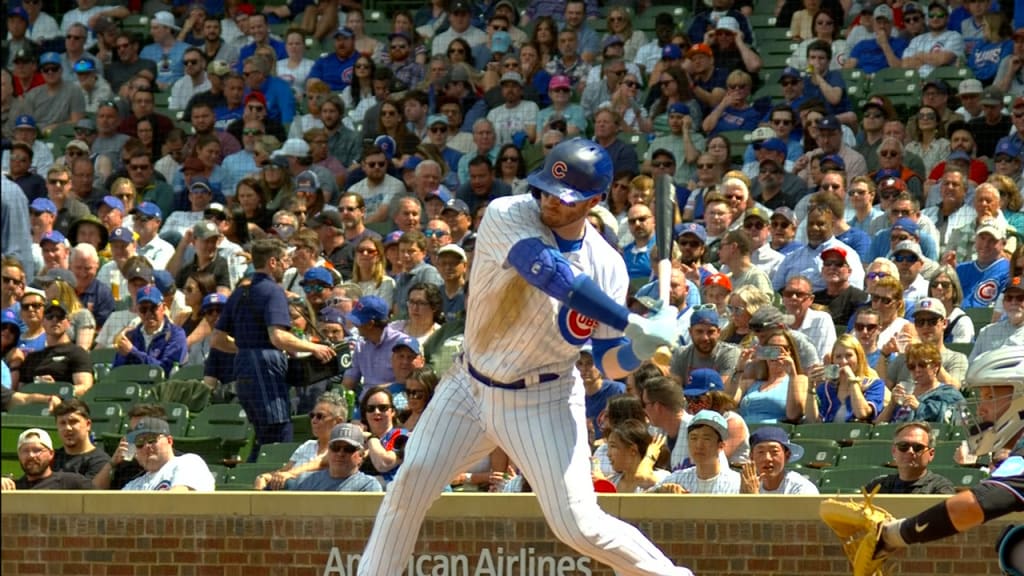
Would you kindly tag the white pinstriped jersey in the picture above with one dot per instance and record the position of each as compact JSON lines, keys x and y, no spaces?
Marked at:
{"x":517,"y":333}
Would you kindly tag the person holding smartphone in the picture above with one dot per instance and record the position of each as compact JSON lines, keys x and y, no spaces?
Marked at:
{"x":848,"y":390}
{"x":774,"y":389}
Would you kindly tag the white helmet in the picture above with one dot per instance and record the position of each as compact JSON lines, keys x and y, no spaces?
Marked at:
{"x":1001,"y":367}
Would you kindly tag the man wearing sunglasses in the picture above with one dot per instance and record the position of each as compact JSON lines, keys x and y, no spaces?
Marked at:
{"x":317,"y":284}
{"x":193,"y":82}
{"x":347,"y":450}
{"x":913,"y":448}
{"x":165,"y":471}
{"x":60,"y":360}
{"x":155,"y":341}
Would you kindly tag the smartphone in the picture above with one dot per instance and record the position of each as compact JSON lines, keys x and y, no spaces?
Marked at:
{"x":832,"y":372}
{"x":769,"y":352}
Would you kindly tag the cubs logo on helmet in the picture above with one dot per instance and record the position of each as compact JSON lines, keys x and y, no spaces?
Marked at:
{"x":559,"y":169}
{"x":575,"y":327}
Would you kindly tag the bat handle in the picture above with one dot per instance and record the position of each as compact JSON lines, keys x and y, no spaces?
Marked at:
{"x":662,"y":357}
{"x":664,"y":280}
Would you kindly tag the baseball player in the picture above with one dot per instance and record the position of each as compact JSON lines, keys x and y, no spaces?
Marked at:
{"x":544,"y":281}
{"x":998,"y":380}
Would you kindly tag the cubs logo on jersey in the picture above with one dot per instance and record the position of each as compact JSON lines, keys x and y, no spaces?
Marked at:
{"x":346,"y":74}
{"x":987,"y":291}
{"x":575,"y":327}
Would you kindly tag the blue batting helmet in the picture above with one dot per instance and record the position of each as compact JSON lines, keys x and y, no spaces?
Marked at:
{"x":574,"y":170}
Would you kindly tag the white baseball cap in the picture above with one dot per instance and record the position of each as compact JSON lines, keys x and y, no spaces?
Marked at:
{"x":164,"y":18}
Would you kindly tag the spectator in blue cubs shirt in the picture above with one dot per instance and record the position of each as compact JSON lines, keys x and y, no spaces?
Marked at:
{"x":734,"y":112}
{"x":336,"y":69}
{"x":871,"y":55}
{"x":156,"y":341}
{"x":596,"y":388}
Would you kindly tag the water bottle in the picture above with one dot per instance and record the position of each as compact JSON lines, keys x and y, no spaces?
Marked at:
{"x":350,"y":399}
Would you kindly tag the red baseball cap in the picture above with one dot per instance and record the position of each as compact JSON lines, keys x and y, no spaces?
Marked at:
{"x":836,"y":250}
{"x":256,"y":95}
{"x":720,"y":280}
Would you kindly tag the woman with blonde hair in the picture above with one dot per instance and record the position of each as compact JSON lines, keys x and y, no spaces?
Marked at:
{"x":83,"y":324}
{"x":620,"y":23}
{"x":369,"y":270}
{"x":1010,"y":200}
{"x":742,"y":304}
{"x":853,"y":393}
{"x":945,"y":286}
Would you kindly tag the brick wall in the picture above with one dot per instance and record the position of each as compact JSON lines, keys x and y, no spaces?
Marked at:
{"x":244,"y":534}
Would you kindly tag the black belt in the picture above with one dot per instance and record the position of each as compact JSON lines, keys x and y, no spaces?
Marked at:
{"x":517,"y":385}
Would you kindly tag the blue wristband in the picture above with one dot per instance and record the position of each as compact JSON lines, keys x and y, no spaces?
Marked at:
{"x":588,"y":299}
{"x":627,"y":358}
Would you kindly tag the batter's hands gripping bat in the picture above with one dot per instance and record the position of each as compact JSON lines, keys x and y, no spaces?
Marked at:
{"x":664,"y":220}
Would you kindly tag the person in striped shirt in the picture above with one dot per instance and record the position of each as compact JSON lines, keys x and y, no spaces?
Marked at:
{"x":706,"y":438}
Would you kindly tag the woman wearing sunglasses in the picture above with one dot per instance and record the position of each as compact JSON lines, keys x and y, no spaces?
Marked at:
{"x":386,"y":444}
{"x":741,"y":305}
{"x":945,"y":286}
{"x":894,"y":331}
{"x":512,"y":168}
{"x":197,"y":286}
{"x":419,"y":389}
{"x":856,"y":394}
{"x":329,"y":411}
{"x":926,"y":398}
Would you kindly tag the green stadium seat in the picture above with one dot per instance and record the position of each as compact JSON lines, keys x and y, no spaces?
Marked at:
{"x":980,"y":317}
{"x":107,"y":417}
{"x":177,"y":417}
{"x":11,"y":467}
{"x":189,"y":372}
{"x":31,"y":410}
{"x":217,"y":433}
{"x":764,"y":35}
{"x":115,"y":391}
{"x":62,"y":389}
{"x":135,"y":23}
{"x":953,"y":75}
{"x":819,"y":453}
{"x":220,"y":473}
{"x":278,"y":453}
{"x":138,"y":373}
{"x":945,"y":451}
{"x":191,"y":392}
{"x":243,"y":476}
{"x":759,"y":21}
{"x":12,"y":425}
{"x":868,"y":453}
{"x":637,"y":141}
{"x":812,"y":474}
{"x":103,"y":355}
{"x":845,"y":433}
{"x":301,"y":427}
{"x":960,"y":477}
{"x":848,"y":480}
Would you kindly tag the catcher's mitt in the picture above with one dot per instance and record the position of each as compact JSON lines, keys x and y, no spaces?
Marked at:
{"x":859,"y":527}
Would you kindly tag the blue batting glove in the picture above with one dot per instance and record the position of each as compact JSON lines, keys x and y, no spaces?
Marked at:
{"x":649,"y":334}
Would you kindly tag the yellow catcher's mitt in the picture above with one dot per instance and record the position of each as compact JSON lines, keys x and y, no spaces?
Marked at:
{"x":859,"y":527}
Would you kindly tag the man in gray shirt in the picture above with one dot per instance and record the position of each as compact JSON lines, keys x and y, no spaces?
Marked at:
{"x":347,"y":450}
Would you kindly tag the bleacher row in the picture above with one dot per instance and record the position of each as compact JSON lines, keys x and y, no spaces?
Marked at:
{"x":838,"y":457}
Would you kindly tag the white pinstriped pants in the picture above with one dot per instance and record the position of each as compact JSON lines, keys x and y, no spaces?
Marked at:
{"x":542,"y":430}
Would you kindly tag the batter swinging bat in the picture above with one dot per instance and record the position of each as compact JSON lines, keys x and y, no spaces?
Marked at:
{"x":664,"y":219}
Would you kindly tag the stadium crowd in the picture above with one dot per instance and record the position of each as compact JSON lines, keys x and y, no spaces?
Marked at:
{"x":284,"y":198}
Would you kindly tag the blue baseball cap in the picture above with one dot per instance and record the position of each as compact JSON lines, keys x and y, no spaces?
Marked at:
{"x":122,"y":234}
{"x":408,"y":342}
{"x":49,"y":58}
{"x":456,"y":205}
{"x":829,"y":123}
{"x":702,"y":381}
{"x":775,"y":434}
{"x":1008,"y":147}
{"x":43,"y":205}
{"x":84,"y":66}
{"x":671,"y":52}
{"x":772,"y":145}
{"x":958,"y":155}
{"x":331,"y":315}
{"x":344,"y":32}
{"x":18,"y":11}
{"x":679,"y":108}
{"x":149,"y":294}
{"x":392,"y":238}
{"x":163,"y":281}
{"x":907,"y":225}
{"x":411,"y":163}
{"x":713,"y":420}
{"x":834,"y":159}
{"x":706,"y":316}
{"x":200,"y":185}
{"x":789,"y":72}
{"x":441,"y":194}
{"x":53,"y":236}
{"x":690,"y":228}
{"x":113,"y":202}
{"x":387,"y":144}
{"x":24,"y":121}
{"x":368,"y":309}
{"x":10,"y":317}
{"x":317,"y":274}
{"x":213,"y":299}
{"x":149,"y":210}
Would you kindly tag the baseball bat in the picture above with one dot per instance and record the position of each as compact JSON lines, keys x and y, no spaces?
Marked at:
{"x":664,"y":220}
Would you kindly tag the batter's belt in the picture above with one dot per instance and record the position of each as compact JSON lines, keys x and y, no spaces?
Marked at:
{"x":517,"y":385}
